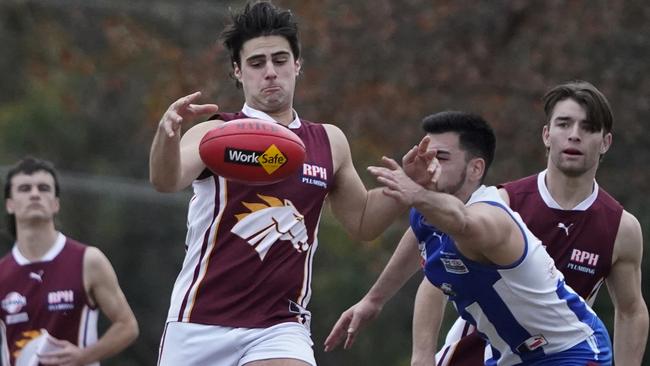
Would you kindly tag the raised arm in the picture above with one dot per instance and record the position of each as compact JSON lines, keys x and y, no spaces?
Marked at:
{"x":481,"y":231}
{"x":624,"y":286}
{"x":173,"y":163}
{"x":404,"y":262}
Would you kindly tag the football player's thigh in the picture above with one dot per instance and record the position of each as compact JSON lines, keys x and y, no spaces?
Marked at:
{"x":278,"y":362}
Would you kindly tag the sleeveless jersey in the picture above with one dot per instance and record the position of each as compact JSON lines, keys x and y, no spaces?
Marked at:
{"x":509,"y":305}
{"x":581,"y":242}
{"x":249,"y":249}
{"x":49,"y":295}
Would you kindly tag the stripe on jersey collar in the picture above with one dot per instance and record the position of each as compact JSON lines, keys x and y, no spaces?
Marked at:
{"x":254,"y":113}
{"x":51,"y":254}
{"x":550,"y":202}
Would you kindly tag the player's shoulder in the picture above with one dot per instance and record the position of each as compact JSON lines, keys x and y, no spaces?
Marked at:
{"x":525,"y":183}
{"x":629,"y":224}
{"x":608,"y":200}
{"x":335,"y":134}
{"x":74,"y":245}
{"x":629,"y":238}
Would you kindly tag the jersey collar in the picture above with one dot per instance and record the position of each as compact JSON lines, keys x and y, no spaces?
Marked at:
{"x":550,"y":202}
{"x":254,"y":113}
{"x":51,"y":254}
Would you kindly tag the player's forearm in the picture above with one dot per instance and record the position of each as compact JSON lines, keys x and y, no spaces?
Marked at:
{"x":116,"y":338}
{"x":379,"y":213}
{"x":427,"y":317}
{"x":444,"y":211}
{"x":165,"y":162}
{"x":404,"y":262}
{"x":630,"y":336}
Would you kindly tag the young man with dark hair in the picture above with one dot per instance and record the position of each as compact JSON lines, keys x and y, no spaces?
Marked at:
{"x":51,"y":286}
{"x":231,"y":304}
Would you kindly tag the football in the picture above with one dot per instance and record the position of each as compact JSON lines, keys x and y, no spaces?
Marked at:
{"x":252,"y":151}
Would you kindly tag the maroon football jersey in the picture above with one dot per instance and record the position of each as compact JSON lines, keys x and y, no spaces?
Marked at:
{"x":249,"y":248}
{"x":48,"y":294}
{"x":581,"y":241}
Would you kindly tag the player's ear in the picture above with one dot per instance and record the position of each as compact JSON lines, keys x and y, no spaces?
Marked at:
{"x":476,"y":168}
{"x":57,"y":205}
{"x":9,"y":206}
{"x":545,"y":136}
{"x":236,"y":71}
{"x":606,"y":143}
{"x":298,"y":67}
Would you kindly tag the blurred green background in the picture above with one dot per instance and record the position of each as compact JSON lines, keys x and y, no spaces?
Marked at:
{"x":83,"y":84}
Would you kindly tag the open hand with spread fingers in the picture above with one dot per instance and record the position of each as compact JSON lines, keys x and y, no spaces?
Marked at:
{"x":421,"y":165}
{"x":399,"y":185}
{"x":182,"y":110}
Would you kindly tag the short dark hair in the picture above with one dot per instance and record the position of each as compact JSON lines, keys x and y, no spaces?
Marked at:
{"x":599,"y":113}
{"x":474,"y":133}
{"x":257,"y":20}
{"x":28,"y":165}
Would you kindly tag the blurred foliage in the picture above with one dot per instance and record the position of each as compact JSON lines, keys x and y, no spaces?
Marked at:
{"x":84,"y":83}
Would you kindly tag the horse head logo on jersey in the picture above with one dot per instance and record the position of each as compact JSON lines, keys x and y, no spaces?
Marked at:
{"x":268,"y":222}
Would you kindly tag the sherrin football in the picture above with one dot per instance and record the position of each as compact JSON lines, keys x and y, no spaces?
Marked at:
{"x":252,"y":151}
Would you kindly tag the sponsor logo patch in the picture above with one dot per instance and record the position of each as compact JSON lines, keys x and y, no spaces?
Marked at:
{"x":60,"y":300}
{"x":13,"y":302}
{"x":583,"y":261}
{"x":17,"y":318}
{"x":454,"y":265}
{"x":314,"y":175}
{"x":532,"y":343}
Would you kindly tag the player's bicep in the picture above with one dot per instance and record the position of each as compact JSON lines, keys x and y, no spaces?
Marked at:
{"x":492,"y":233}
{"x":102,"y":285}
{"x":488,"y":224}
{"x":624,"y":279}
{"x":348,"y":196}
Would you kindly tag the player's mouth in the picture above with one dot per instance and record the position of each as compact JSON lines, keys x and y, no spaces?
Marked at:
{"x":572,"y":152}
{"x":271,"y":89}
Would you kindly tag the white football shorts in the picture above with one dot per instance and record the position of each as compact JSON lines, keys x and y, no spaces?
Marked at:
{"x":213,"y":345}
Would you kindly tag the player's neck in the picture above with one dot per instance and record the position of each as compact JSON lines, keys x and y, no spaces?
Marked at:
{"x":569,"y":191}
{"x":35,"y":240}
{"x":283,"y":117}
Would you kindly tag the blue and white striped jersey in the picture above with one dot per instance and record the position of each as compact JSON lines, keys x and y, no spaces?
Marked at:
{"x":525,"y":310}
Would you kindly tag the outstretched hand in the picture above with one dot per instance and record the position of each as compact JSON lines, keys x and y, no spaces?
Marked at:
{"x":182,"y":110}
{"x":396,"y":183}
{"x":350,"y":322}
{"x":421,"y":165}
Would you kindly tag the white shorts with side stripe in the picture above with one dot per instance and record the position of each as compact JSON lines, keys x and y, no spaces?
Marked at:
{"x":213,"y":345}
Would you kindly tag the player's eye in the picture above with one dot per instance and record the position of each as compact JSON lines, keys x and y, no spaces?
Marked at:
{"x":24,"y":188}
{"x":44,"y":188}
{"x":590,"y":127}
{"x":280,"y":60}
